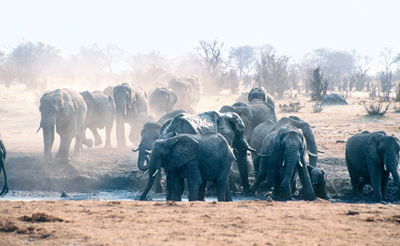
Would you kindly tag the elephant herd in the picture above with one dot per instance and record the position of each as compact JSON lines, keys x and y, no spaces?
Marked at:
{"x":210,"y":146}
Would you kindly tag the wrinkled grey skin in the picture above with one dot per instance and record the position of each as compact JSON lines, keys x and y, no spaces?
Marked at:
{"x":261,"y":94}
{"x":150,"y":133}
{"x":63,"y":111}
{"x":187,"y":91}
{"x":252,"y":114}
{"x":162,"y":100}
{"x":318,"y":181}
{"x":282,"y":155}
{"x":100,"y":114}
{"x":259,"y":132}
{"x":129,"y":103}
{"x":229,"y":125}
{"x":198,"y":158}
{"x":371,"y":158}
{"x":3,"y":154}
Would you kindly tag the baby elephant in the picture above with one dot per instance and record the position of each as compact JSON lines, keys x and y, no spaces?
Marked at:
{"x":371,"y":158}
{"x":318,"y":180}
{"x":198,"y":158}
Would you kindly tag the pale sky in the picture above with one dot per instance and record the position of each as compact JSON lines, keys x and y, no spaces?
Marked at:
{"x":174,"y":27}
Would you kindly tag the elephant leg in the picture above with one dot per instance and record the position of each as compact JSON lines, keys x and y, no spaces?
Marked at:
{"x":194,"y":180}
{"x":243,"y":163}
{"x":376,"y":178}
{"x":120,"y":131}
{"x":384,"y":183}
{"x":306,"y":183}
{"x":65,"y":143}
{"x":261,"y":175}
{"x":5,"y":186}
{"x":96,"y":135}
{"x":108,"y":136}
{"x":86,"y":141}
{"x":221,"y":190}
{"x":158,"y":187}
{"x":177,"y":184}
{"x":202,"y":191}
{"x":78,"y":145}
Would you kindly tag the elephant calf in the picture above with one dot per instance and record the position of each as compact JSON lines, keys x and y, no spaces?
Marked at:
{"x":370,"y":158}
{"x":198,"y":158}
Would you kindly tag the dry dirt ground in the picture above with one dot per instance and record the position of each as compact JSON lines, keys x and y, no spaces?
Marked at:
{"x":102,"y":184}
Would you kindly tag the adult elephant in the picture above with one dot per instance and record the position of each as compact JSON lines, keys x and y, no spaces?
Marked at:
{"x":100,"y":114}
{"x":260,"y":93}
{"x":198,"y":158}
{"x":3,"y":153}
{"x":129,"y":103}
{"x":229,"y":125}
{"x":259,"y":132}
{"x":162,"y":101}
{"x":150,"y":133}
{"x":63,"y":111}
{"x":252,"y":114}
{"x":283,"y":154}
{"x":187,"y":92}
{"x":371,"y":158}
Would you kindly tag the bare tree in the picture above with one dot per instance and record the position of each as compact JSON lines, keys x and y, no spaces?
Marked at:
{"x":212,"y":62}
{"x":386,"y":76}
{"x":243,"y":59}
{"x":7,"y":70}
{"x":318,"y":85}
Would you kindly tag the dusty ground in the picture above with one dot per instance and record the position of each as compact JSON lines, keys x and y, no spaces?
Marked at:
{"x":108,"y":181}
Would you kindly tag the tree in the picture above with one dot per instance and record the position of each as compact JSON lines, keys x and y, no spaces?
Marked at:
{"x":212,"y":63}
{"x":386,"y":76}
{"x":7,"y":71}
{"x":318,"y":85}
{"x":243,"y":58}
{"x":31,"y":61}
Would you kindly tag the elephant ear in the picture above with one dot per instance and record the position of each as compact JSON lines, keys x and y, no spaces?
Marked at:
{"x":373,"y":147}
{"x":184,"y":148}
{"x":267,"y":146}
{"x":89,"y":99}
{"x":173,"y":98}
{"x":68,"y":105}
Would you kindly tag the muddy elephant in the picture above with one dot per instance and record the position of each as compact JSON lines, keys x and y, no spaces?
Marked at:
{"x":63,"y":111}
{"x":129,"y":103}
{"x":150,"y":133}
{"x":3,"y":154}
{"x":259,"y":132}
{"x":196,"y":158}
{"x":229,"y":125}
{"x":282,"y":155}
{"x":252,"y":114}
{"x":371,"y":158}
{"x":100,"y":114}
{"x":162,"y":101}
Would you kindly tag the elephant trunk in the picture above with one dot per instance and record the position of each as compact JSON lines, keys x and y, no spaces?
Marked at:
{"x":48,"y":139}
{"x":391,"y":164}
{"x":291,"y":159}
{"x":152,"y":176}
{"x":120,"y":127}
{"x":143,"y":157}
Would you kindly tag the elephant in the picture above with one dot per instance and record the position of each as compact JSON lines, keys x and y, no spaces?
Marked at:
{"x":150,"y":133}
{"x":252,"y":114}
{"x":198,"y":158}
{"x":109,"y":90}
{"x":283,"y":154}
{"x":318,"y":181}
{"x":63,"y":111}
{"x":3,"y":154}
{"x":259,"y":132}
{"x":129,"y":103}
{"x":229,"y":125}
{"x":187,"y":91}
{"x":370,"y":159}
{"x":261,"y":94}
{"x":100,"y":114}
{"x":162,"y":101}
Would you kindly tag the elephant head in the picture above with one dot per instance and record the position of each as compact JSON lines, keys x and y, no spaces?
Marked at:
{"x":256,"y":93}
{"x":384,"y":150}
{"x":318,"y":180}
{"x":284,"y":150}
{"x":241,"y":109}
{"x":171,"y":154}
{"x":57,"y":109}
{"x":150,"y":133}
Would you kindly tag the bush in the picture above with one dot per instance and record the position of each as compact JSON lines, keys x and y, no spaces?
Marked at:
{"x":317,"y":107}
{"x":376,"y":108}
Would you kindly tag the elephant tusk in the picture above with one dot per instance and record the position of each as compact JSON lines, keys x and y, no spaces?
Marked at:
{"x":38,"y":129}
{"x":283,"y":163}
{"x":385,"y":167}
{"x":301,"y":165}
{"x":320,"y":151}
{"x":148,"y":152}
{"x":312,"y":154}
{"x":251,"y":149}
{"x":155,"y":173}
{"x":146,"y":172}
{"x":135,"y":150}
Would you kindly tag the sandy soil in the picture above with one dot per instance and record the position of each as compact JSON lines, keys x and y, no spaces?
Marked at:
{"x":27,"y":215}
